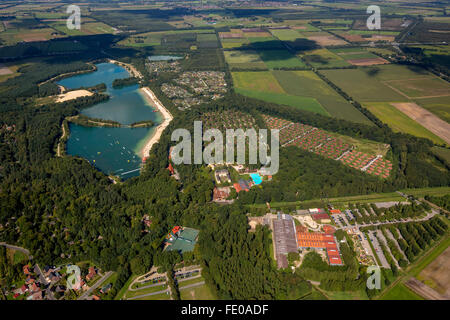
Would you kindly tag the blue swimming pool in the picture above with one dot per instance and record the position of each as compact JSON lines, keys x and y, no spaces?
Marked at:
{"x":256,"y":178}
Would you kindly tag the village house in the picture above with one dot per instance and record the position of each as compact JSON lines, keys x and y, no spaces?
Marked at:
{"x":221,"y":194}
{"x":222,"y":176}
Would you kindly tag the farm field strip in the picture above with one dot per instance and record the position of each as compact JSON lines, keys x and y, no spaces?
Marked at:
{"x":400,"y":122}
{"x":436,"y":125}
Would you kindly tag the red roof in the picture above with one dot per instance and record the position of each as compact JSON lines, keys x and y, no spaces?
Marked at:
{"x":320,"y":216}
{"x":335,"y":211}
{"x":176,"y":229}
{"x":328,"y":229}
{"x":237,"y":187}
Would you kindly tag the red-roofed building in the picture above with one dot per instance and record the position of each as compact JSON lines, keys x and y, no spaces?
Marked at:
{"x":335,"y":211}
{"x":23,"y":289}
{"x":320,"y":216}
{"x":176,"y":229}
{"x":237,"y":187}
{"x":91,"y":274}
{"x":328,"y":229}
{"x":318,"y":240}
{"x":26,"y":269}
{"x":34,"y":288}
{"x":220,"y":194}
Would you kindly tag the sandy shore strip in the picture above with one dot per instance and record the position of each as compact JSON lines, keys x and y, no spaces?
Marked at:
{"x":159,"y":130}
{"x":73,"y":95}
{"x":130,"y":68}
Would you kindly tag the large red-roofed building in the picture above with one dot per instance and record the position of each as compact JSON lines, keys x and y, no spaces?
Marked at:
{"x":319,"y":240}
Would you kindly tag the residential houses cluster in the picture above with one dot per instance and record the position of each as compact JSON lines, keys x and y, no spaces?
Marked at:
{"x":157,"y":67}
{"x":195,"y":87}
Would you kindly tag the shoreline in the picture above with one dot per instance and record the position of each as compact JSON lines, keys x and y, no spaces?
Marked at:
{"x":167,"y":118}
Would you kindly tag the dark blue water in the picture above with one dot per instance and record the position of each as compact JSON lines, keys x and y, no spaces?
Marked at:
{"x":112,"y":150}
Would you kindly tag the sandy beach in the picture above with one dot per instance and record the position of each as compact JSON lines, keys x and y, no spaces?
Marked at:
{"x":167,"y":117}
{"x":73,"y":95}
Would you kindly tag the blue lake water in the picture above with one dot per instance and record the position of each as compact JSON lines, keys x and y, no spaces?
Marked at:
{"x":112,"y":150}
{"x":164,"y":58}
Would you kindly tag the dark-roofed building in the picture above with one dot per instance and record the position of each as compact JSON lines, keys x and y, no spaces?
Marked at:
{"x":284,"y":239}
{"x":244,"y":184}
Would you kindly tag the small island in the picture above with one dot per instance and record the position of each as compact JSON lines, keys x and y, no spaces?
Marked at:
{"x":120,"y":83}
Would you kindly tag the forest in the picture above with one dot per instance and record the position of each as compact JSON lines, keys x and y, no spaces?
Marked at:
{"x":63,"y":210}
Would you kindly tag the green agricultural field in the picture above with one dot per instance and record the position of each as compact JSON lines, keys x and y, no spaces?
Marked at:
{"x":428,"y":86}
{"x":400,"y":122}
{"x":245,"y":59}
{"x":206,"y":37}
{"x":439,"y":106}
{"x":302,"y":103}
{"x":400,"y":292}
{"x":262,"y":81}
{"x":308,"y":84}
{"x":363,"y":85}
{"x":323,"y":58}
{"x":369,"y":32}
{"x":384,"y":51}
{"x":275,"y":59}
{"x":233,"y":43}
{"x":13,"y":36}
{"x":156,"y":38}
{"x":286,"y":34}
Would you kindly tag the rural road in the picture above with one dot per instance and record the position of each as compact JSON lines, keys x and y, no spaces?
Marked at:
{"x":85,"y":295}
{"x":148,"y":294}
{"x":146,"y":287}
{"x":192,"y":285}
{"x":23,"y":250}
{"x":48,"y":294}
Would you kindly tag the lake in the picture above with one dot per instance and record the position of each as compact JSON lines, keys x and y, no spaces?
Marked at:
{"x":112,"y":150}
{"x":164,"y":58}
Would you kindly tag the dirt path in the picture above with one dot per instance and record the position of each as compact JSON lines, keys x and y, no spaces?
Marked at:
{"x":58,"y":150}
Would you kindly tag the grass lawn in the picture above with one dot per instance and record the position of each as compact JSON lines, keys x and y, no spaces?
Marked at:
{"x":197,"y":293}
{"x":400,"y":122}
{"x":190,"y":281}
{"x":19,"y":257}
{"x":420,"y":192}
{"x":400,"y":292}
{"x":347,"y":295}
{"x":161,"y":296}
{"x":124,"y":289}
{"x":375,"y":197}
{"x":131,"y":294}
